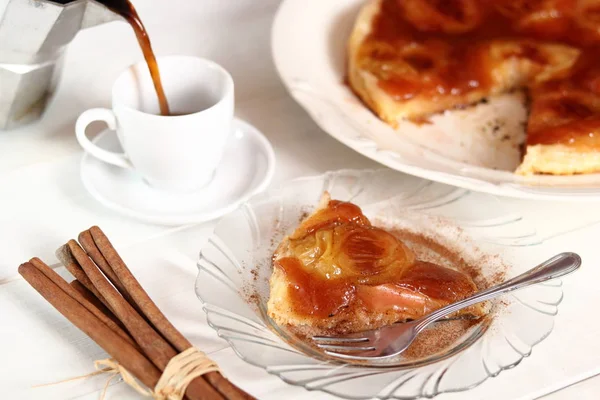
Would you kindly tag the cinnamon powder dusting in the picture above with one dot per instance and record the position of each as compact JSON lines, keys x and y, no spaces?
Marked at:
{"x":254,"y":298}
{"x":443,"y":335}
{"x":432,"y":249}
{"x":438,"y":337}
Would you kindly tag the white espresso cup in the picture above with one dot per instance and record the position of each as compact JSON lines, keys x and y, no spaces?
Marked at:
{"x":179,"y":152}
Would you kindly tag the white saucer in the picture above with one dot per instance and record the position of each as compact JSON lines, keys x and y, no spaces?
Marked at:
{"x":247,"y":168}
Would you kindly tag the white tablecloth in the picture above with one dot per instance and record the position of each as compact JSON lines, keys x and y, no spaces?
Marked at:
{"x":44,"y":204}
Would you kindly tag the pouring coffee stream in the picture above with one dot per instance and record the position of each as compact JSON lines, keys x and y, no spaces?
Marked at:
{"x":30,"y":68}
{"x":125,"y":9}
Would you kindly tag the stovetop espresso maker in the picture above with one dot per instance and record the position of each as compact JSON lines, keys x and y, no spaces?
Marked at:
{"x":33,"y":36}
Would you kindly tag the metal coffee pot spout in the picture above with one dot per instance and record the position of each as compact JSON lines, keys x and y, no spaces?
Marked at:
{"x":33,"y":36}
{"x":97,"y":14}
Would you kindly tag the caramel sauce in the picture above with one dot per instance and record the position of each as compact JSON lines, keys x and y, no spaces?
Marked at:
{"x":337,"y":251}
{"x":581,"y":134}
{"x":459,"y":60}
{"x":441,"y":48}
{"x":126,"y":10}
{"x":312,"y":295}
{"x":567,"y":116}
{"x":436,"y":282}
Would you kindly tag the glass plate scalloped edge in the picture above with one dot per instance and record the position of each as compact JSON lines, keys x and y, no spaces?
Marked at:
{"x":234,"y":267}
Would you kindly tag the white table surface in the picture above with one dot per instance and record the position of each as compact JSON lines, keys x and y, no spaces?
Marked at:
{"x":43,"y":204}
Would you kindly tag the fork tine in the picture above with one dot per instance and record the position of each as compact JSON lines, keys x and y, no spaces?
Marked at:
{"x":340,"y":339}
{"x":345,"y":348}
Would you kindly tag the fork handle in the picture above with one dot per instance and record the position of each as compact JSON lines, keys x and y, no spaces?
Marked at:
{"x":557,"y":266}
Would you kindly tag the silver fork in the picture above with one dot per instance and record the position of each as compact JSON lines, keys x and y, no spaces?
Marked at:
{"x":392,"y":340}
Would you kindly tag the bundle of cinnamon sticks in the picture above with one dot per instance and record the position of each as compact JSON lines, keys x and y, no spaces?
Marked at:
{"x":108,"y":304}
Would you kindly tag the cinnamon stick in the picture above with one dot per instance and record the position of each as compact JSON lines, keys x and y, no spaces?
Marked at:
{"x":64,"y":286}
{"x":130,"y":285}
{"x":86,"y":241}
{"x":89,"y":296}
{"x":118,"y":348}
{"x":135,"y":291}
{"x":64,"y":255}
{"x":154,"y":346}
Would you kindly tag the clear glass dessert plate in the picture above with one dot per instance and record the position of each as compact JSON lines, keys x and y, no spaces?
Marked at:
{"x":235,"y":266}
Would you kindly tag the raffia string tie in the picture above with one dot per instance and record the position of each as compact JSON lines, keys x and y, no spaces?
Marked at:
{"x":111,"y":366}
{"x":179,"y":373}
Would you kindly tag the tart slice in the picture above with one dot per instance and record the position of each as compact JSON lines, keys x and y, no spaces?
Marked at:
{"x":338,"y":273}
{"x":563,"y":130}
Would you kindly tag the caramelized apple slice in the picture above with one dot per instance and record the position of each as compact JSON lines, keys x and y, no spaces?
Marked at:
{"x":547,"y":18}
{"x":328,"y":214}
{"x":448,"y":16}
{"x":365,"y":254}
{"x":310,"y":295}
{"x":423,"y":288}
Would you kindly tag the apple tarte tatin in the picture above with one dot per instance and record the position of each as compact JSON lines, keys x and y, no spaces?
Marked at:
{"x":338,"y":272}
{"x":409,"y":59}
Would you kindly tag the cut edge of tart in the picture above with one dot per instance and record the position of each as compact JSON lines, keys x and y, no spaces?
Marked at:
{"x":337,"y":273}
{"x":558,"y":159}
{"x":412,"y":59}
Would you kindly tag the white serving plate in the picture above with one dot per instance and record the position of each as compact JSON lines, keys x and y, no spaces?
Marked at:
{"x":475,"y":148}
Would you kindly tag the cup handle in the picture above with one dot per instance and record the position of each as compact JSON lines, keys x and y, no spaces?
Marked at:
{"x":99,"y":114}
